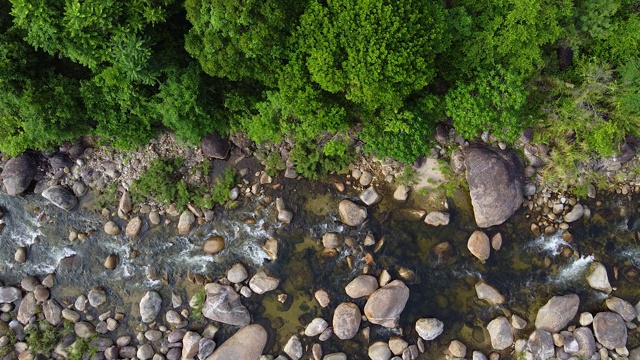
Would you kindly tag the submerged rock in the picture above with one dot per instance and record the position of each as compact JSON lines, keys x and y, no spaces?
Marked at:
{"x":346,"y":320}
{"x":247,"y":344}
{"x":489,"y":293}
{"x":557,"y":313}
{"x":386,"y":304}
{"x":352,"y":214}
{"x":111,"y":228}
{"x":223,"y":304}
{"x":437,"y":218}
{"x":496,"y":183}
{"x":61,"y":197}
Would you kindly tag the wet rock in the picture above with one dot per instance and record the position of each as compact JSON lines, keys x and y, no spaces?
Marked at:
{"x":285,"y":216}
{"x":21,"y":255}
{"x":9,"y":294}
{"x":41,"y":293}
{"x":145,"y":352}
{"x":223,"y":304}
{"x":557,"y":313}
{"x":247,"y":344}
{"x":187,"y":219}
{"x":610,"y":330}
{"x":457,"y":349}
{"x":150,"y":306}
{"x":346,"y":320}
{"x":190,"y":344}
{"x":111,"y":228}
{"x":18,"y":173}
{"x":213,"y":245}
{"x":27,"y":308}
{"x":496,"y":183}
{"x":622,"y":307}
{"x":437,"y":218}
{"x":442,"y":252}
{"x":205,"y":348}
{"x":61,"y":197}
{"x":429,"y":328}
{"x":261,"y":283}
{"x":331,"y":240}
{"x":237,"y":274}
{"x":111,"y":261}
{"x":370,"y":196}
{"x":133,"y":227}
{"x":479,"y":245}
{"x":575,"y":213}
{"x":586,"y":342}
{"x":154,"y":217}
{"x":401,"y":193}
{"x":489,"y":293}
{"x":84,"y":330}
{"x":316,"y":327}
{"x":352,"y":214}
{"x":540,"y":344}
{"x":97,"y":297}
{"x":271,"y":248}
{"x":385,"y":305}
{"x":214,"y":146}
{"x":379,"y":351}
{"x":500,"y":333}
{"x":293,"y":348}
{"x":363,"y":285}
{"x":322,"y":297}
{"x":597,"y":277}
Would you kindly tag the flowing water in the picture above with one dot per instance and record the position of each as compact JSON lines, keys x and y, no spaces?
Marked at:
{"x":527,"y":270}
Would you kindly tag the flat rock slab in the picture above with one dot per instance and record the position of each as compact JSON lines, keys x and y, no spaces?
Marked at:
{"x":61,"y":197}
{"x":223,"y":304}
{"x":429,"y":175}
{"x":496,"y":183}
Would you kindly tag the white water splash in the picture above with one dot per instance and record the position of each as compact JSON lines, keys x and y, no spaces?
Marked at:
{"x":574,"y":271}
{"x":550,"y":245}
{"x":632,"y":254}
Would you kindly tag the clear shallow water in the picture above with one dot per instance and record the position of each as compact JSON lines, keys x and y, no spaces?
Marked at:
{"x":440,"y":289}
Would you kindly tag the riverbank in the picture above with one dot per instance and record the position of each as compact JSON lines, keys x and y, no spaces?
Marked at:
{"x":307,"y":247}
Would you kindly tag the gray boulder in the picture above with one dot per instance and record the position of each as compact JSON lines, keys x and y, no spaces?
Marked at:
{"x":61,"y":197}
{"x":557,"y":313}
{"x":500,"y":333}
{"x":18,"y":173}
{"x":213,"y":145}
{"x":610,"y":330}
{"x":541,"y":345}
{"x":496,"y":183}
{"x":247,"y":344}
{"x":223,"y":304}
{"x":27,"y":308}
{"x":150,"y":305}
{"x":586,"y":342}
{"x":386,"y":304}
{"x":346,"y":320}
{"x":352,"y":214}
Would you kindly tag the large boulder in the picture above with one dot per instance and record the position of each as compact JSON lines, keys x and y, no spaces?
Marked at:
{"x":223,"y":304}
{"x":557,"y":313}
{"x":386,"y":304}
{"x":500,"y":333}
{"x":61,"y":197}
{"x":150,"y":305}
{"x":346,"y":320}
{"x":610,"y":330}
{"x":496,"y":183}
{"x":352,"y":214}
{"x":18,"y":173}
{"x":540,"y":344}
{"x":213,"y":145}
{"x":247,"y":344}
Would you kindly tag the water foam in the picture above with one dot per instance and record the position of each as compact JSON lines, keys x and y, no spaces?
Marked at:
{"x":573,"y":271}
{"x":550,"y":245}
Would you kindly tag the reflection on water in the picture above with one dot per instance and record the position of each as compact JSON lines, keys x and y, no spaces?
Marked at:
{"x":526,"y":270}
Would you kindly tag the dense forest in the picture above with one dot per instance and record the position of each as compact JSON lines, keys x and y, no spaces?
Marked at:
{"x":320,"y":73}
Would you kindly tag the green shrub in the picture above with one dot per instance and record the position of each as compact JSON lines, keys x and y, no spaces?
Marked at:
{"x":162,"y":182}
{"x":222,"y":186}
{"x":42,"y":337}
{"x":312,"y":163}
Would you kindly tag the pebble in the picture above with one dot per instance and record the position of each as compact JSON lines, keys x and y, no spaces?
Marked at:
{"x":21,"y":255}
{"x":322,"y":297}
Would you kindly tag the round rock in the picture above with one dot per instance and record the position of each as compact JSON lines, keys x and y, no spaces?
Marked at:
{"x":479,"y":245}
{"x":351,"y":214}
{"x":610,"y":330}
{"x":346,"y":320}
{"x":363,"y":285}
